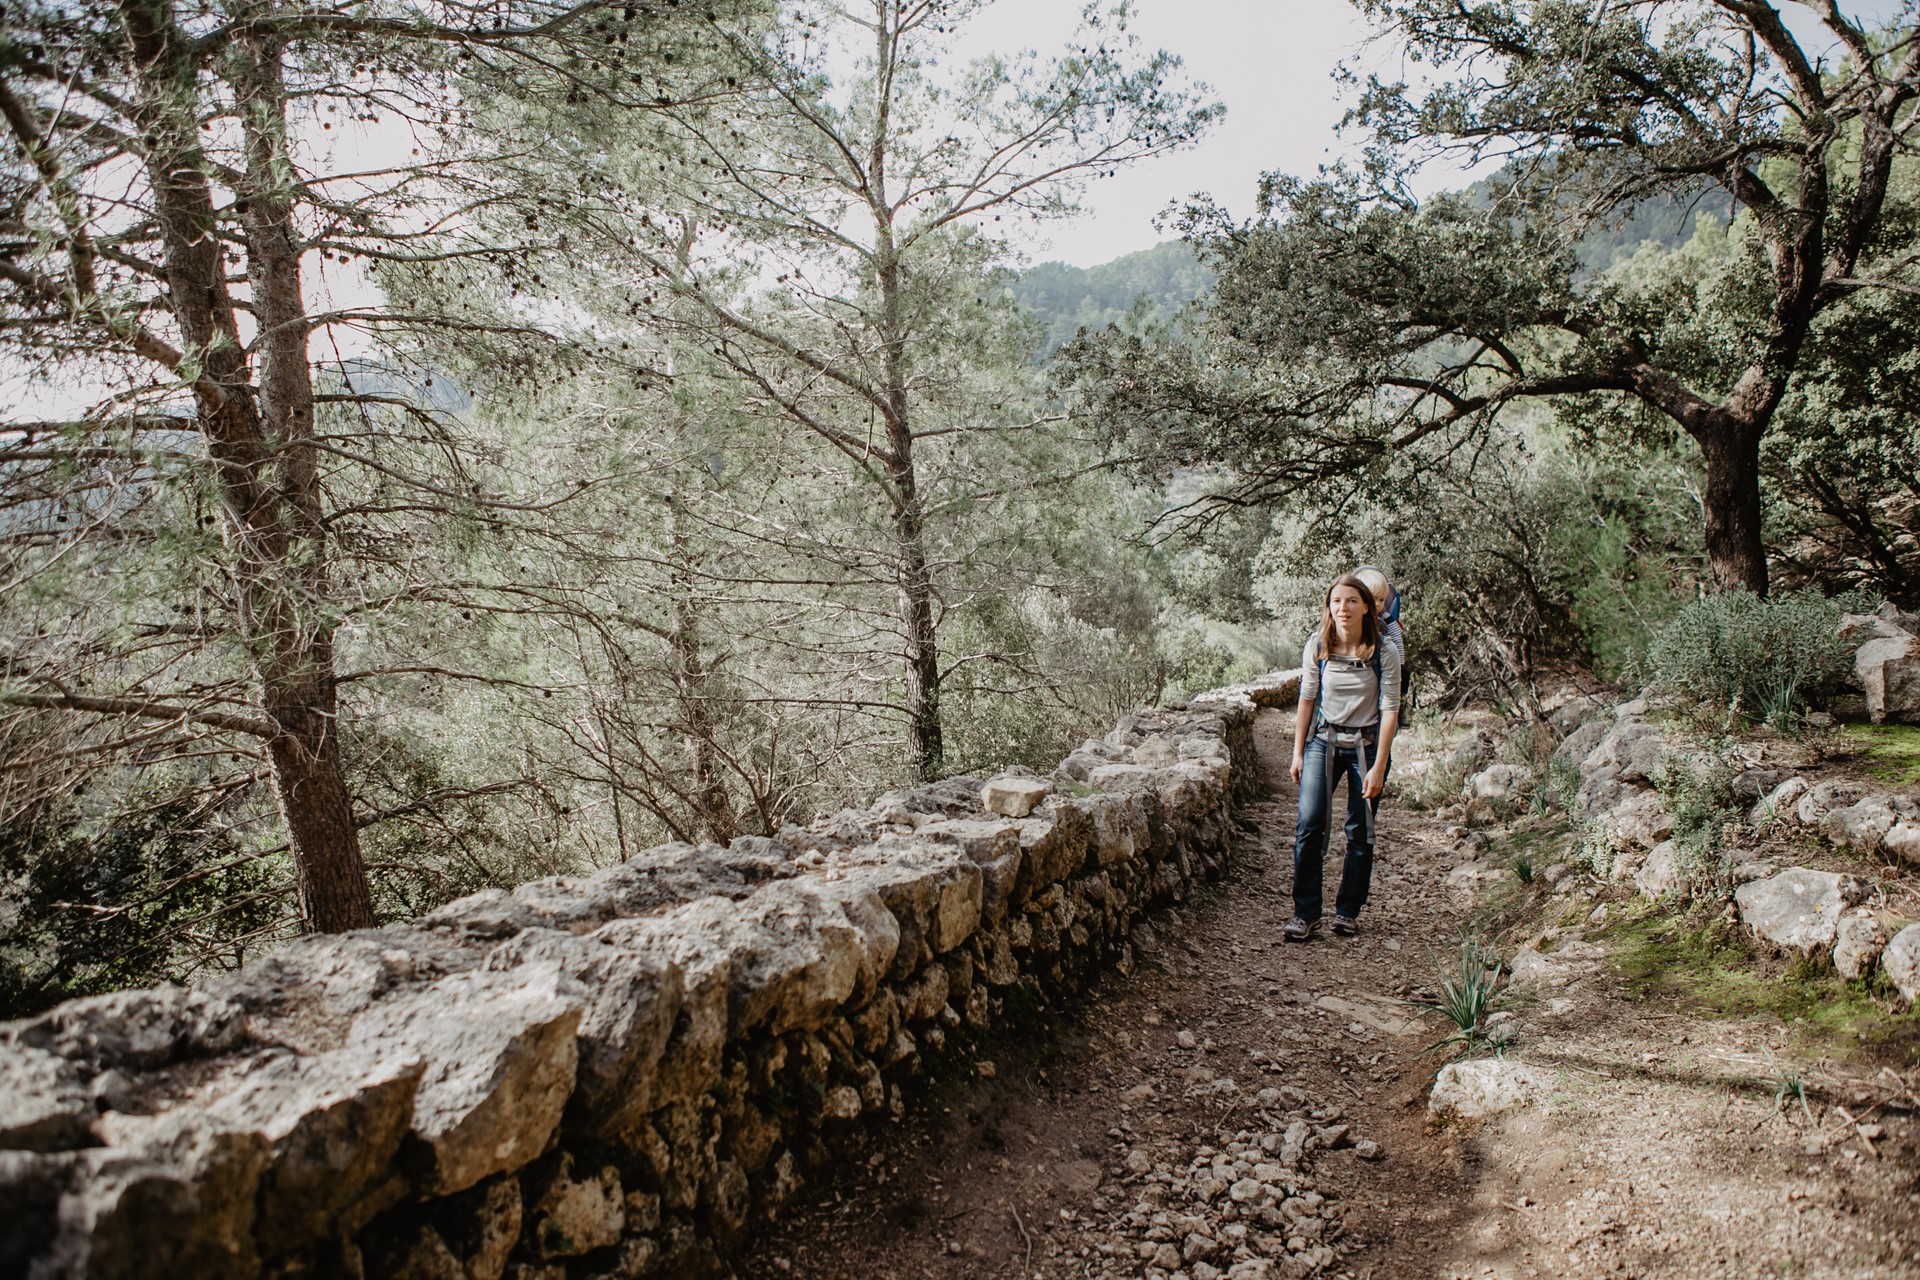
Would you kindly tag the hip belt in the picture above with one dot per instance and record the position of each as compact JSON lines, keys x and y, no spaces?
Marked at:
{"x":1339,"y":735}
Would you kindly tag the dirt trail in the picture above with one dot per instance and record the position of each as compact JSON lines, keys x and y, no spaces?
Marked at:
{"x":1088,"y":1149}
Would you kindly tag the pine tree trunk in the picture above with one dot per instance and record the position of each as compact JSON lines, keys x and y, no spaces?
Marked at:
{"x":329,"y":876}
{"x":922,"y":647}
{"x":712,"y":805}
{"x":258,"y":438}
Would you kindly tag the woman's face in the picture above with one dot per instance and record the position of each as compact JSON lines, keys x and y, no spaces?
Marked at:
{"x":1346,"y":608}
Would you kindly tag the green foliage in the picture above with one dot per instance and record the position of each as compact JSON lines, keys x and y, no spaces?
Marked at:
{"x":1559,"y":785}
{"x":1767,"y":659}
{"x":1710,"y":966}
{"x":163,"y":891}
{"x":1524,"y":549}
{"x":1698,"y":790}
{"x":1594,"y":850}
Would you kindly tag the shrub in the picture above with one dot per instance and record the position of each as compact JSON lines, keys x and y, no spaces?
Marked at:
{"x":1765,"y":659}
{"x":1559,"y":786}
{"x":1699,"y":791}
{"x":1595,"y":850}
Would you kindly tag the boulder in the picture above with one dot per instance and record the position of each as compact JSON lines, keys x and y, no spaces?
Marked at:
{"x":1530,"y":968}
{"x":1486,"y":1087}
{"x":1470,"y":752}
{"x":793,"y":955}
{"x":1122,"y":829}
{"x":690,"y":1064}
{"x":932,"y":890}
{"x":994,"y":846}
{"x":1753,"y":784}
{"x":1579,"y":744}
{"x":1823,"y":798}
{"x":1666,"y":873}
{"x":1858,"y":941}
{"x":1600,"y":790}
{"x":1641,"y":818}
{"x":1617,"y":750}
{"x":1901,"y":960}
{"x":630,"y":1003}
{"x":578,"y":1214}
{"x":1887,"y":664}
{"x":332,"y":1124}
{"x":1864,"y":825}
{"x":135,"y":1030}
{"x":170,"y":1196}
{"x":1903,"y":841}
{"x":1800,"y":908}
{"x":1640,"y":760}
{"x":500,"y":1050}
{"x":1505,"y":782}
{"x":1054,"y":844}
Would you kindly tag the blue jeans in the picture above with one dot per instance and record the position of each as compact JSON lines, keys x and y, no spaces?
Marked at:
{"x":1310,"y":830}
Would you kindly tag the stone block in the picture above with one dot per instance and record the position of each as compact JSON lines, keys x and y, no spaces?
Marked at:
{"x":44,"y":1105}
{"x":1858,"y":941}
{"x":1822,"y":798}
{"x":332,"y":1124}
{"x":630,"y":1002}
{"x":500,"y":1053}
{"x":1864,"y":825}
{"x":1887,"y":665}
{"x":1780,"y":804}
{"x":1012,"y":797}
{"x":1665,"y":873}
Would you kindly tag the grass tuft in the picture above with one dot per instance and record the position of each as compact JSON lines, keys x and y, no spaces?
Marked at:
{"x":1466,"y":997}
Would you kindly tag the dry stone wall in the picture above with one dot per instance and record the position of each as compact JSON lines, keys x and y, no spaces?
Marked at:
{"x":612,"y":1075}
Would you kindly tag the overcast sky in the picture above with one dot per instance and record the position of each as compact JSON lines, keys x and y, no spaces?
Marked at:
{"x":1269,"y":61}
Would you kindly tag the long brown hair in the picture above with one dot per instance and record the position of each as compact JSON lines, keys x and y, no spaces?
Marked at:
{"x":1369,"y":628}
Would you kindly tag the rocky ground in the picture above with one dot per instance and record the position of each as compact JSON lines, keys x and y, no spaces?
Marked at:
{"x":1240,"y":1107}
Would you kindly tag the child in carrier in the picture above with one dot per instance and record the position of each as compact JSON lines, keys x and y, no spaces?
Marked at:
{"x":1386,"y":609}
{"x":1349,"y":711}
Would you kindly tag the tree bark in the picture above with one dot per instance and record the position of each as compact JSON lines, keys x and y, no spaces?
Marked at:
{"x":259,"y":440}
{"x":712,"y":805}
{"x":1735,"y":549}
{"x":925,"y":736}
{"x":913,"y":579}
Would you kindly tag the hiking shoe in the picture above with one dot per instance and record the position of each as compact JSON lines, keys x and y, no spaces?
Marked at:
{"x":1298,"y":930}
{"x":1346,"y":926}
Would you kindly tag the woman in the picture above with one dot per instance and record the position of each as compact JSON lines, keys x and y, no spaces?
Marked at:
{"x":1349,"y":712}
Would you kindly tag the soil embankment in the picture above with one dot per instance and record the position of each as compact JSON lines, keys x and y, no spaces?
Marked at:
{"x":1129,"y":1136}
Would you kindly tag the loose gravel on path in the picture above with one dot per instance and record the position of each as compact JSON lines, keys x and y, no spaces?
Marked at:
{"x":1240,"y":1107}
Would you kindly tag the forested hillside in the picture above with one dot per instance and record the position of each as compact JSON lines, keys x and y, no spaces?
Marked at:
{"x":1150,"y":286}
{"x":457,"y":443}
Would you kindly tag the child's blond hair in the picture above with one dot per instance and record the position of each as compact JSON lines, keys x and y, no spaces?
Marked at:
{"x":1377,"y":585}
